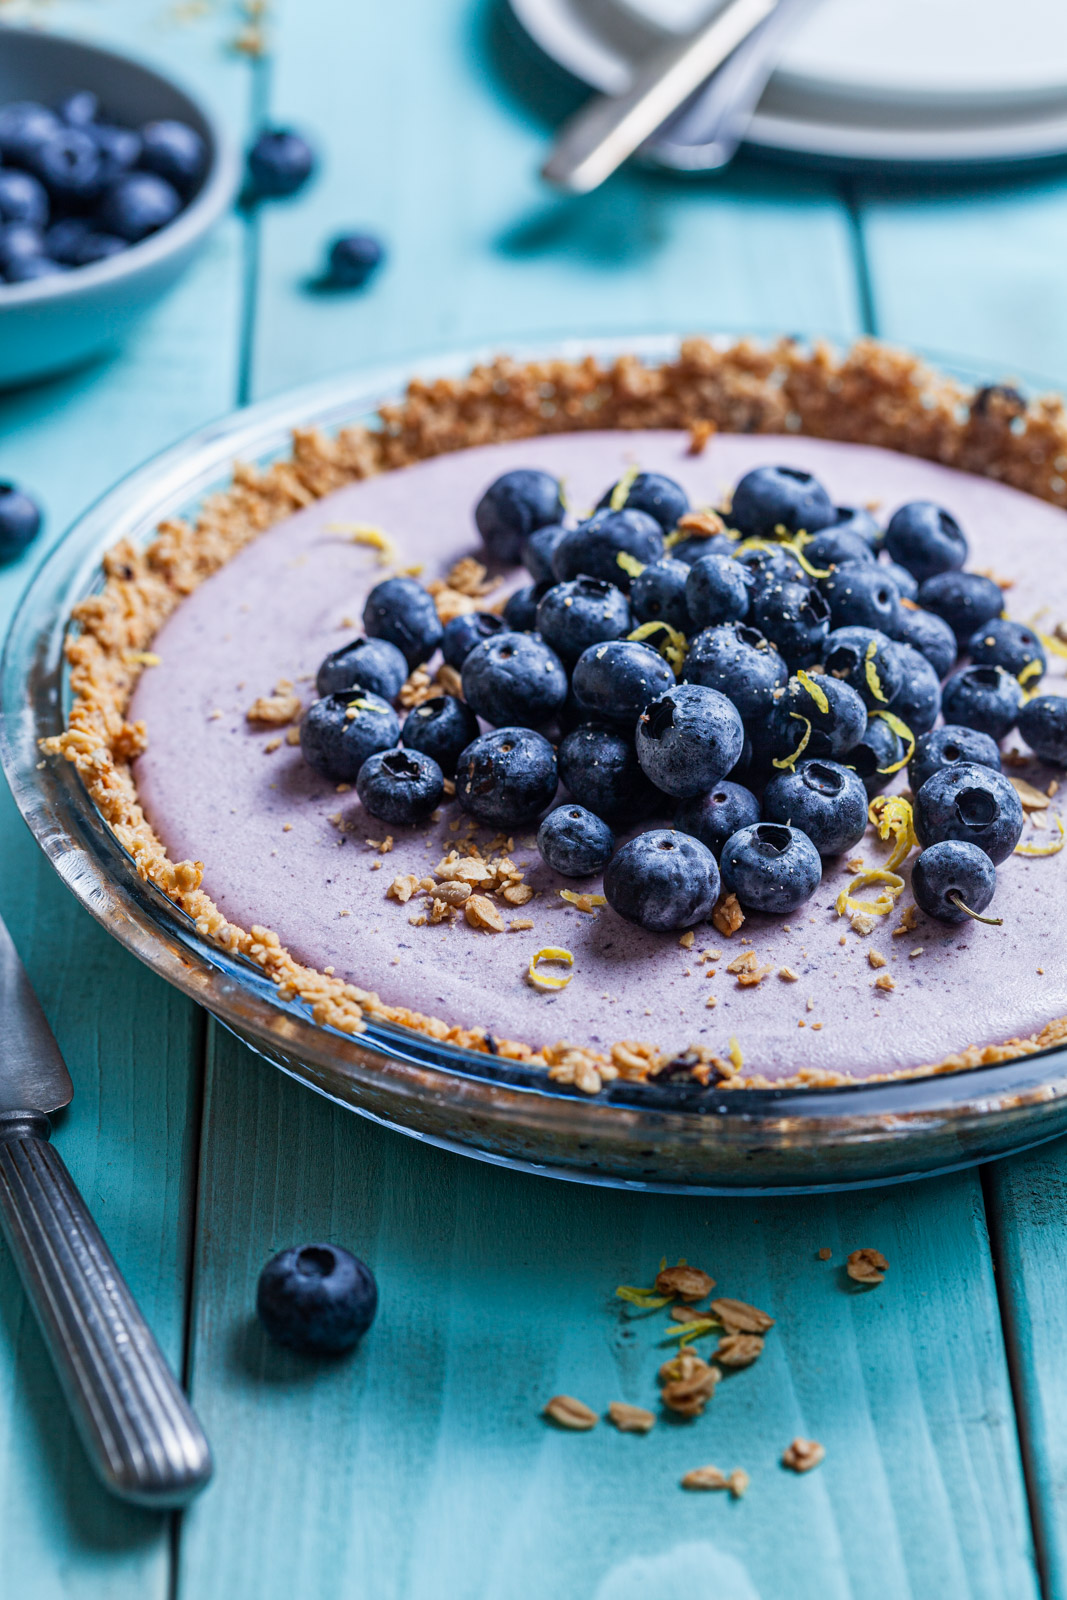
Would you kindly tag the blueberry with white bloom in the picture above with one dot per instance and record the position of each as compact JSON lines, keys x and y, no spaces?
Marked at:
{"x":770,"y":867}
{"x":973,"y":803}
{"x":796,"y":618}
{"x":462,"y":633}
{"x":741,"y":663}
{"x":769,"y":498}
{"x":573,"y":841}
{"x":1011,"y":645}
{"x":372,"y":664}
{"x":825,"y":800}
{"x":507,"y":777}
{"x":651,"y":492}
{"x":137,"y":205}
{"x":965,"y":600}
{"x":598,"y":766}
{"x":768,"y":566}
{"x":1043,"y":724}
{"x":918,"y":701}
{"x":514,"y":679}
{"x":593,"y":548}
{"x":23,"y":198}
{"x":835,"y":546}
{"x":174,"y":151}
{"x":691,"y":549}
{"x":985,"y":698}
{"x":717,"y":590}
{"x":442,"y":727}
{"x":341,"y":731}
{"x":319,"y":1300}
{"x":877,"y":756}
{"x":861,"y":594}
{"x":906,"y":586}
{"x":858,"y":521}
{"x":663,"y":880}
{"x":279,"y":163}
{"x":400,"y":786}
{"x":583,"y":611}
{"x":714,"y":817}
{"x":926,"y":539}
{"x":537,"y":551}
{"x":868,"y":662}
{"x":830,"y":713}
{"x":943,"y":747}
{"x":520,"y":612}
{"x":20,"y":521}
{"x":658,"y":594}
{"x":352,"y":259}
{"x":930,"y":636}
{"x":688,"y":739}
{"x":514,"y":506}
{"x":952,"y":876}
{"x":618,"y":679}
{"x":400,"y":610}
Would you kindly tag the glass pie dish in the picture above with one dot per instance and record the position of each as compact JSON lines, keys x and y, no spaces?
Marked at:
{"x":654,"y":1135}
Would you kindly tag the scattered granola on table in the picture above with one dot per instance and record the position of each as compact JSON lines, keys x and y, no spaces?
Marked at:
{"x":867,"y":1266}
{"x":803,"y":1454}
{"x":569,"y":1413}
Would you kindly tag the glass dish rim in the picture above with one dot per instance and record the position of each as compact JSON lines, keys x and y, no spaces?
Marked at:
{"x":96,"y":868}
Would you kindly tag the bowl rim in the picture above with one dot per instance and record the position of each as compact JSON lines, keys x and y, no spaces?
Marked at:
{"x":215,"y":194}
{"x":100,"y":873}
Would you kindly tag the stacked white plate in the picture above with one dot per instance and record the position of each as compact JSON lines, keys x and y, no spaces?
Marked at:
{"x":929,"y":82}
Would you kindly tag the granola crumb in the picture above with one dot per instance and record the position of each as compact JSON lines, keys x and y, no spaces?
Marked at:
{"x":705,"y":1478}
{"x":867,"y":1266}
{"x":737,"y":1316}
{"x":271,"y":745}
{"x":885,"y":982}
{"x":739,"y":1482}
{"x":275,"y":709}
{"x":908,"y":923}
{"x":728,"y":916}
{"x":825,"y":1253}
{"x":630,"y":1419}
{"x":699,"y":434}
{"x":520,"y":924}
{"x":875,"y":958}
{"x":738,"y":1349}
{"x":688,"y":1283}
{"x":480,"y":912}
{"x":687,"y":940}
{"x":787,"y":975}
{"x":803,"y":1454}
{"x":913,"y":955}
{"x":710,"y":1003}
{"x":566,"y":1412}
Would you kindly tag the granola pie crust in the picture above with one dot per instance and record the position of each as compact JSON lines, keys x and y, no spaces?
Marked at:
{"x":871,"y":395}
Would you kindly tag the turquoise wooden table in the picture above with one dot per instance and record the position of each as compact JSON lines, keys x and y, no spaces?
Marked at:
{"x":421,"y":1470}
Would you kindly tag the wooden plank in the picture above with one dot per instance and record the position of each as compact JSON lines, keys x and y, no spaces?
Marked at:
{"x":133,"y":1046}
{"x":421,"y":1467}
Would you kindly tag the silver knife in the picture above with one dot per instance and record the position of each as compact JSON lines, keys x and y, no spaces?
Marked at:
{"x":138,"y":1429}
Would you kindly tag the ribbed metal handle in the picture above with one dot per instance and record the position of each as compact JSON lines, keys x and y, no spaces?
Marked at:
{"x":136,"y":1424}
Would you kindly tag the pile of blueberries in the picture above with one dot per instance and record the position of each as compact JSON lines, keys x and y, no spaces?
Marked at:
{"x":76,"y":188}
{"x":811,"y":649}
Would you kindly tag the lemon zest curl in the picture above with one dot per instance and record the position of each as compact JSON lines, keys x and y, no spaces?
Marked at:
{"x":1044,"y":849}
{"x":550,"y":980}
{"x":892,"y":816}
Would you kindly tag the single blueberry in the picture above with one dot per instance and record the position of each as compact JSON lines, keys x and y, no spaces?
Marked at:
{"x":1042,"y":723}
{"x":770,"y":867}
{"x":930,"y":636}
{"x":514,"y":679}
{"x":442,"y":727}
{"x":965,"y":600}
{"x":462,"y":633}
{"x":319,"y":1300}
{"x":599,"y":767}
{"x":689,"y":739}
{"x":652,"y":493}
{"x":537,"y":551}
{"x":713,"y":818}
{"x":925,"y":539}
{"x":520,"y":612}
{"x":769,"y":498}
{"x":741,"y":663}
{"x":353,"y":259}
{"x":20,"y":521}
{"x":341,"y":731}
{"x":119,"y":148}
{"x":918,"y":702}
{"x":23,"y":126}
{"x":618,"y":679}
{"x":826,"y":801}
{"x":835,"y":546}
{"x":824,"y":714}
{"x":1011,"y":645}
{"x":507,"y":777}
{"x":372,"y":664}
{"x":942,"y":747}
{"x":79,"y":109}
{"x":862,"y":595}
{"x":868,"y":662}
{"x":768,"y":566}
{"x":137,"y":205}
{"x":717,"y":590}
{"x":279,"y":163}
{"x":513,"y":507}
{"x":984,"y":698}
{"x":575,"y":842}
{"x":69,"y":165}
{"x":400,"y":786}
{"x":878,"y":756}
{"x":855,"y":520}
{"x":19,"y":242}
{"x":593,"y":548}
{"x":24,"y":269}
{"x":691,"y":549}
{"x":663,"y":880}
{"x":796,"y":618}
{"x":23,"y":198}
{"x":400,"y":610}
{"x":950,"y":876}
{"x":658,"y":594}
{"x":583,"y":611}
{"x":175,"y":151}
{"x":973,"y":803}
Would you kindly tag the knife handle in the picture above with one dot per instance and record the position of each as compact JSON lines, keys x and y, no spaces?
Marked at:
{"x":139,"y":1430}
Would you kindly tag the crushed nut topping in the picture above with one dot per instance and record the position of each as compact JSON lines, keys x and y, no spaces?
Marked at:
{"x":738,"y":1317}
{"x":567,"y":1412}
{"x":885,"y":983}
{"x":728,"y":916}
{"x":688,"y":1283}
{"x":688,"y":1385}
{"x":705,"y":1478}
{"x":867,"y":1266}
{"x":738,"y":1349}
{"x":875,"y":958}
{"x":480,"y":912}
{"x":802,"y":1455}
{"x":274,"y":709}
{"x":630,"y":1419}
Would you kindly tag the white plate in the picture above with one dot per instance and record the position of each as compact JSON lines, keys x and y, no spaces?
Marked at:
{"x":929,"y":82}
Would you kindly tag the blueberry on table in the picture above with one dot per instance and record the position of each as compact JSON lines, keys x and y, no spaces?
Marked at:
{"x":717,"y":590}
{"x":372,"y":664}
{"x":658,"y":594}
{"x":663,"y":880}
{"x":1042,"y":723}
{"x":400,"y":610}
{"x":538,"y":549}
{"x":862,"y":594}
{"x":858,"y":522}
{"x":689,"y":739}
{"x":139,"y":204}
{"x":741,"y":663}
{"x":341,"y":731}
{"x":353,"y":259}
{"x":24,"y":124}
{"x":985,"y":698}
{"x":823,"y":799}
{"x":20,"y":521}
{"x":23,"y":198}
{"x":319,"y":1300}
{"x":796,"y":618}
{"x":925,"y":539}
{"x":513,"y":507}
{"x":442,"y":727}
{"x":931,"y":636}
{"x":658,"y":496}
{"x":972,"y":803}
{"x":713,"y":818}
{"x":954,"y":881}
{"x":599,"y":767}
{"x":279,"y":163}
{"x":507,"y":777}
{"x":520,"y":613}
{"x":583,"y":611}
{"x":868,"y":662}
{"x":918,"y":702}
{"x":514,"y":679}
{"x":174,"y":151}
{"x":877,"y":757}
{"x":769,"y":498}
{"x":593,"y":548}
{"x":770,"y":867}
{"x":462,"y":633}
{"x":965,"y":600}
{"x":401,"y":787}
{"x":835,"y":715}
{"x":943,"y":747}
{"x":618,"y":679}
{"x":1011,"y":645}
{"x":575,"y":842}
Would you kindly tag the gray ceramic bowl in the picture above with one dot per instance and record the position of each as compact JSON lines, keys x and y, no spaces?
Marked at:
{"x":55,"y":323}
